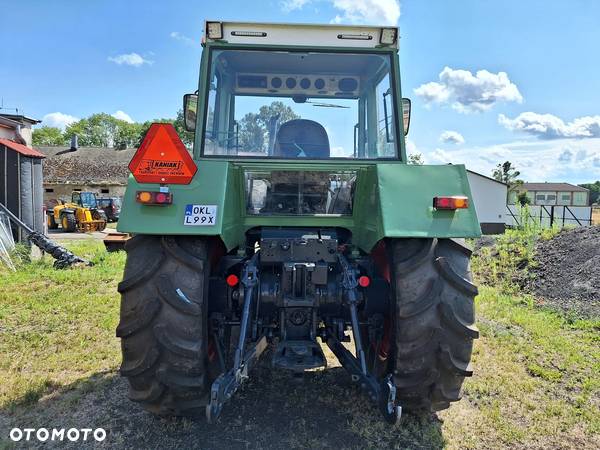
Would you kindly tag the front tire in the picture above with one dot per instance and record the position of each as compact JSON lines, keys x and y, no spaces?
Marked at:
{"x":68,"y":222}
{"x":434,"y":321}
{"x":163,"y":327}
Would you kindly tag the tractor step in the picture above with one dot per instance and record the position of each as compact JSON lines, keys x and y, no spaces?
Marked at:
{"x":299,"y":355}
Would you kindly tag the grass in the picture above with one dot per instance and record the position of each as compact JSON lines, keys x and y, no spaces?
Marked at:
{"x":57,"y":326}
{"x":505,"y":265}
{"x":537,"y":379}
{"x":536,"y":382}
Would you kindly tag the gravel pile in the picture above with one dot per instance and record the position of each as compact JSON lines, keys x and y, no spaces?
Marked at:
{"x":567,"y":274}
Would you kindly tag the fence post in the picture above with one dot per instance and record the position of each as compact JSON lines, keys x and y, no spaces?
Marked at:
{"x":551,"y":216}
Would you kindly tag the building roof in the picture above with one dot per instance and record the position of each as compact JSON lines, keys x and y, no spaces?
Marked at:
{"x":22,"y":149}
{"x":486,"y":177}
{"x":86,"y":165}
{"x":565,"y":187}
{"x":21,"y":118}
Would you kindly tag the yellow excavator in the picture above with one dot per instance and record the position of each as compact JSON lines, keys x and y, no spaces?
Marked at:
{"x":81,"y":214}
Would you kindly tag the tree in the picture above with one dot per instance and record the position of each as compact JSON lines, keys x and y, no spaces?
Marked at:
{"x":522,"y":198}
{"x":103,"y":130}
{"x":186,"y":136}
{"x":48,"y":136}
{"x":254,"y":128}
{"x":416,"y":159}
{"x":594,"y":189}
{"x":507,"y":173}
{"x":251,"y":133}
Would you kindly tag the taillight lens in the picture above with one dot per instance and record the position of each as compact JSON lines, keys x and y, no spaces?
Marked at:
{"x":451,"y":202}
{"x":232,"y":280}
{"x":154,"y":198}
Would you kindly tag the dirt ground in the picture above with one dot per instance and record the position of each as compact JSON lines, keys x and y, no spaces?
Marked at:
{"x":273,"y":411}
{"x":567,"y":274}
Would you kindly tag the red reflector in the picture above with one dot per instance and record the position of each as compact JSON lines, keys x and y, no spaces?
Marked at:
{"x":364,"y":281}
{"x":162,"y":158}
{"x":452,"y":202}
{"x":154,"y":198}
{"x":232,"y":280}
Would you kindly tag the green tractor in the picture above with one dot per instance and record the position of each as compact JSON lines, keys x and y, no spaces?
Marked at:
{"x":296,"y":223}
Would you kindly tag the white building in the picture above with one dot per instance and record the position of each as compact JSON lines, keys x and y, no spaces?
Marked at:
{"x":489,"y":198}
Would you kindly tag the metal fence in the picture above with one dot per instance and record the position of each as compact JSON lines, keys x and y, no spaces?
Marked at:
{"x":548,"y":216}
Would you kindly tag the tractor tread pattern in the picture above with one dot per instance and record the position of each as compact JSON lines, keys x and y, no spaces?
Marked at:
{"x":139,"y":277}
{"x":434,"y":321}
{"x":452,"y":277}
{"x":176,"y":344}
{"x":181,"y":302}
{"x":163,"y":334}
{"x":147,"y":395}
{"x":138,"y":318}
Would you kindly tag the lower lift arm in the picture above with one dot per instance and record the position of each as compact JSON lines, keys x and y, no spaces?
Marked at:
{"x":229,"y":382}
{"x":384,"y":391}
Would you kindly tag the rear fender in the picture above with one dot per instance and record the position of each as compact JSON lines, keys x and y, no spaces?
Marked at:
{"x":392,"y":200}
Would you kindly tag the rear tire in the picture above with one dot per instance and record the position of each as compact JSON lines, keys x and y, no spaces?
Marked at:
{"x":52,"y":225}
{"x":434,"y":317}
{"x":164,"y":333}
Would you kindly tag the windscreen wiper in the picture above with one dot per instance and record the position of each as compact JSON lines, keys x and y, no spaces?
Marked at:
{"x":327,"y":105}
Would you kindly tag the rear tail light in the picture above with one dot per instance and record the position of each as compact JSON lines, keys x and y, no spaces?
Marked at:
{"x":364,"y":281}
{"x":232,"y":280}
{"x":154,"y":198}
{"x":451,"y":202}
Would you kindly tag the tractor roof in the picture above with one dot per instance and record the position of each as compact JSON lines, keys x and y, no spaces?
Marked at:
{"x":309,"y":35}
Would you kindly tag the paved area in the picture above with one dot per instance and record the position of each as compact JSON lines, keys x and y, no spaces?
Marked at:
{"x":61,"y":235}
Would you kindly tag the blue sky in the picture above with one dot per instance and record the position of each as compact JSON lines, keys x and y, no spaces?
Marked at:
{"x":490,"y":81}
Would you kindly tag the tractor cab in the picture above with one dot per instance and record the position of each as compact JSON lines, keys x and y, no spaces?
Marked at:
{"x":298,"y":103}
{"x":84,"y":199}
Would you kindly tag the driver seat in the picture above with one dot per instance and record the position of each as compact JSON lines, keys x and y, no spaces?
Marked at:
{"x":301,"y":138}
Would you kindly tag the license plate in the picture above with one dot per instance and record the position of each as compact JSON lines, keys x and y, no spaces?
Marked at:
{"x":200,"y":215}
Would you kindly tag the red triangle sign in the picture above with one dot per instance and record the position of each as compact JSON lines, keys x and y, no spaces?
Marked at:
{"x":162,"y":158}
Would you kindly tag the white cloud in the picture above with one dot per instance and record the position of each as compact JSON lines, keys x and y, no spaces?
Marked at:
{"x":570,"y":160}
{"x":58,"y":120}
{"x":122,"y":116}
{"x":468,"y":92}
{"x":411,"y":147}
{"x":291,"y":5}
{"x":452,"y":137}
{"x":183,"y":38}
{"x":373,"y":12}
{"x":130,"y":59}
{"x":548,"y":126}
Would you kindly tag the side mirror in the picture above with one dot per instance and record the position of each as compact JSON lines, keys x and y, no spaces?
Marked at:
{"x":406,"y":114}
{"x":190,"y":108}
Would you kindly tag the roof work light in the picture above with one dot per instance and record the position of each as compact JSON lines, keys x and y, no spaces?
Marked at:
{"x":388,"y":36}
{"x":214,"y":30}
